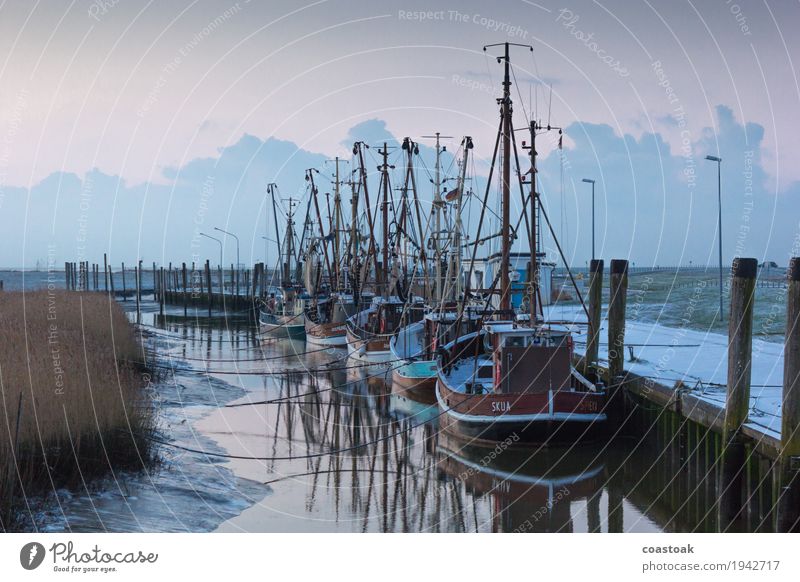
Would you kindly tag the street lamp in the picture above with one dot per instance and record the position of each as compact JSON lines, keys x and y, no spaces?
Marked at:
{"x":218,"y":241}
{"x":719,"y":225}
{"x":237,"y":254}
{"x":221,"y":284}
{"x":588,"y":181}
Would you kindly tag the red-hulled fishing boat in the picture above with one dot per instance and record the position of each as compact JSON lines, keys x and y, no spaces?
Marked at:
{"x":515,"y":377}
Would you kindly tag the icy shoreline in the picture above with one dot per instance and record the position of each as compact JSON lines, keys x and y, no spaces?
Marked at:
{"x":697,"y":359}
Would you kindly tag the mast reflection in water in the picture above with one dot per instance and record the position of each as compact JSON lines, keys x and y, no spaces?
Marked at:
{"x":364,"y":455}
{"x":367,"y":457}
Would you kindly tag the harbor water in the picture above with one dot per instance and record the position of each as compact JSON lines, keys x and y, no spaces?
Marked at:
{"x":278,"y":436}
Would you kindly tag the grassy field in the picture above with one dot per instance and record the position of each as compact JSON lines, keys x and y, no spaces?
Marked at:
{"x":690,"y":298}
{"x":74,"y":403}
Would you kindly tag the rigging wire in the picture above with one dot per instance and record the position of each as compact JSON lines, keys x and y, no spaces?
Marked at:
{"x":355,"y":447}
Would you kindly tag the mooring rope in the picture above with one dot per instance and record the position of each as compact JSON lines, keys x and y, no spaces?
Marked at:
{"x":309,"y":455}
{"x":288,"y":398}
{"x":147,"y":330}
{"x":235,"y":360}
{"x":268,"y":372}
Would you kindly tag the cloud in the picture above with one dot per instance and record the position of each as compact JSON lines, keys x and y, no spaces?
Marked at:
{"x":655,"y":205}
{"x":371,"y":131}
{"x":659,"y":206}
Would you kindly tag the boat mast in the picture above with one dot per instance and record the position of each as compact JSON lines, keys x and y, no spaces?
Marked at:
{"x":534,"y":242}
{"x":412,"y":149}
{"x":358,"y":149}
{"x":438,"y":205}
{"x":353,"y":243}
{"x":455,"y":246}
{"x":505,"y":233}
{"x":287,"y":282}
{"x":324,"y":242}
{"x":337,"y":222}
{"x":384,"y":168}
{"x":437,"y":208}
{"x":271,"y":187}
{"x":301,"y":249}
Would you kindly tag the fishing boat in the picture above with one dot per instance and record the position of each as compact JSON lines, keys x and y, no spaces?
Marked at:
{"x":512,"y":379}
{"x":282,"y":316}
{"x":282,"y":313}
{"x":331,"y":304}
{"x":514,"y":376}
{"x":369,"y":331}
{"x":417,"y":345}
{"x":416,"y":348}
{"x":326,"y":320}
{"x":392,"y":306}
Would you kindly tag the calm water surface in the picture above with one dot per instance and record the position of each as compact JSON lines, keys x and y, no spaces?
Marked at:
{"x":280,"y":436}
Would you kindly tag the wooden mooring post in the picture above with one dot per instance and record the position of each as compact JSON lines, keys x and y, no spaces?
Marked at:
{"x":210,"y":288}
{"x":185,"y":298}
{"x":124,"y":292}
{"x":595,"y":314}
{"x":136,"y":271}
{"x":616,"y":317}
{"x":139,"y":287}
{"x":161,"y":285}
{"x":616,"y":341}
{"x":737,"y":403}
{"x":789,"y":459}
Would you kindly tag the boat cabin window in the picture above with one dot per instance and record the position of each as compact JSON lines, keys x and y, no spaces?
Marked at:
{"x":486,"y":371}
{"x":515,"y":342}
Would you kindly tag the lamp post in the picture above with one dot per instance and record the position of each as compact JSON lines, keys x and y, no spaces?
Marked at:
{"x":221,"y":286}
{"x":218,"y":242}
{"x":719,"y":225}
{"x":589,"y":181}
{"x":237,"y":254}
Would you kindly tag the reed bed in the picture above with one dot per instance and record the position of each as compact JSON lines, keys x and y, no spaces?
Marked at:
{"x":74,"y":402}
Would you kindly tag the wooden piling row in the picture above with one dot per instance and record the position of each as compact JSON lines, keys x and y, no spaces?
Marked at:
{"x":789,"y":459}
{"x":616,"y":317}
{"x":725,"y":441}
{"x":737,"y":404}
{"x":595,"y":314}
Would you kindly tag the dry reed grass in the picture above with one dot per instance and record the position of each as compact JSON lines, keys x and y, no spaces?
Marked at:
{"x":67,"y":361}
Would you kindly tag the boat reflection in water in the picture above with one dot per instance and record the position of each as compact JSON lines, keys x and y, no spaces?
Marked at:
{"x":416,"y":405}
{"x":349,"y":451}
{"x":358,"y":454}
{"x":532,"y":489}
{"x":341,"y":449}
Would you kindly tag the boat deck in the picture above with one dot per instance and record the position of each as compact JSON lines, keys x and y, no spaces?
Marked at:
{"x":464,"y":371}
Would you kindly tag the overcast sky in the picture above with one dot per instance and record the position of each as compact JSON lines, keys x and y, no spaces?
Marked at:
{"x":113,"y":114}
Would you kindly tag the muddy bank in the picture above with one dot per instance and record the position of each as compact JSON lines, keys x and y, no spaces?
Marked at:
{"x":178,"y":491}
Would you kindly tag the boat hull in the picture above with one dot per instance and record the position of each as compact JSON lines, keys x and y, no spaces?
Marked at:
{"x":418,"y":379}
{"x":326,"y":334}
{"x":278,"y":327}
{"x":533,"y":418}
{"x":374,"y":350}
